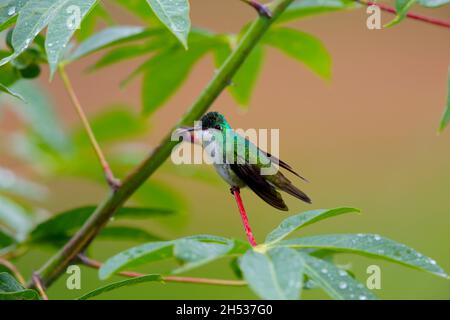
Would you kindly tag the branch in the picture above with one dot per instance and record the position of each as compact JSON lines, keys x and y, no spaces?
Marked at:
{"x":411,"y":15}
{"x":14,"y":270}
{"x":39,"y":285}
{"x":130,"y":274}
{"x":58,"y":263}
{"x":112,"y":181}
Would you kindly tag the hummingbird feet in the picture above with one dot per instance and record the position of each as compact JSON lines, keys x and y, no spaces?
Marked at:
{"x":234,"y":189}
{"x":262,"y":9}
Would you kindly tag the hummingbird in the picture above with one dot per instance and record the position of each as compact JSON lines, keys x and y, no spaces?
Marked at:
{"x":242,"y":162}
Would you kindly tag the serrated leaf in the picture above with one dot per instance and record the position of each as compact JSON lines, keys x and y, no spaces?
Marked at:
{"x":60,"y":16}
{"x":275,"y":275}
{"x":165,"y":73}
{"x":306,"y":8}
{"x":120,"y":284}
{"x":174,"y":14}
{"x":304,"y":219}
{"x":302,"y":47}
{"x":445,"y":120}
{"x":109,"y":37}
{"x":371,"y":245}
{"x":10,"y":92}
{"x":154,"y":251}
{"x":433,"y":3}
{"x":402,"y":7}
{"x":336,"y":282}
{"x":65,"y":222}
{"x":11,"y":289}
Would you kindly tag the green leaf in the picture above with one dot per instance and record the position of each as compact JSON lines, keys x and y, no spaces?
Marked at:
{"x":275,"y":275}
{"x":304,"y":219}
{"x":156,"y":251}
{"x":13,"y":184}
{"x":336,"y":282}
{"x":109,"y":37}
{"x":90,"y":21}
{"x":371,"y":245}
{"x":59,"y":15}
{"x":446,"y":116}
{"x":123,"y":283}
{"x":174,"y":14}
{"x":306,"y":8}
{"x":115,"y":124}
{"x":140,"y":9}
{"x":196,"y":253}
{"x":10,"y":92}
{"x":9,"y":10}
{"x":302,"y":47}
{"x":39,"y":113}
{"x":433,"y":3}
{"x":402,"y":7}
{"x":127,"y":233}
{"x":244,"y":81}
{"x":149,"y":252}
{"x":63,"y":223}
{"x":14,"y":217}
{"x":6,"y":239}
{"x":11,"y":289}
{"x":165,"y":73}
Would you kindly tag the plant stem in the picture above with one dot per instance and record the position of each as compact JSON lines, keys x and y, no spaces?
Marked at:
{"x":221,"y":282}
{"x":410,"y":15}
{"x":112,"y":181}
{"x":39,"y":285}
{"x":262,"y":9}
{"x":248,"y":231}
{"x":57,"y":264}
{"x":15,"y":271}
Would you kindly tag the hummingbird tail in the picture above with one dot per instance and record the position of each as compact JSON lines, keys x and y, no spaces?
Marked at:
{"x":295,"y":192}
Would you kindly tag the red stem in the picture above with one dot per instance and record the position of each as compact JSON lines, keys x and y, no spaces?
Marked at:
{"x":237,"y":195}
{"x":411,"y":15}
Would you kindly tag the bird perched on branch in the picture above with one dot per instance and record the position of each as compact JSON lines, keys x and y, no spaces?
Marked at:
{"x":241,"y":163}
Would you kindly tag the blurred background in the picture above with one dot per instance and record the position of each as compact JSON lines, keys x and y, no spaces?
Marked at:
{"x":366,"y":139}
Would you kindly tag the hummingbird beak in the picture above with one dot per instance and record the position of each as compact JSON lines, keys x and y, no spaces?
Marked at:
{"x":188,"y":132}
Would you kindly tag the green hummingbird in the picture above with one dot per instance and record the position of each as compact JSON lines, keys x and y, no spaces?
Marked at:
{"x":240,"y":162}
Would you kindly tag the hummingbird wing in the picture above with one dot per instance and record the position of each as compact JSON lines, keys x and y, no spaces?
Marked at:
{"x":249,"y":160}
{"x":250,"y":174}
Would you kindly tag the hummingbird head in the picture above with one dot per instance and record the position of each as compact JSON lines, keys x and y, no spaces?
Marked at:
{"x":214,"y":120}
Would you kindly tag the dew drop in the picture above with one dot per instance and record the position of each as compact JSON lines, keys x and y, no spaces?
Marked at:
{"x":342,"y":273}
{"x":377,"y":237}
{"x":362,"y":297}
{"x":342,"y":285}
{"x":324,"y":270}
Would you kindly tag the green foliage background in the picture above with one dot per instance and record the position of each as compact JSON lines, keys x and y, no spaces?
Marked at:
{"x":62,"y":158}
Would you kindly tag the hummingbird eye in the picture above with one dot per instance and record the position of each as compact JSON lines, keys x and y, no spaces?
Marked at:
{"x":218,"y":127}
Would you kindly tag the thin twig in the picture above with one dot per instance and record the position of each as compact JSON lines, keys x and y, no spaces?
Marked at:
{"x":15,"y":271}
{"x":112,"y":181}
{"x":248,"y":231}
{"x":262,"y":9}
{"x":130,"y":274}
{"x":39,"y":285}
{"x":410,"y":15}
